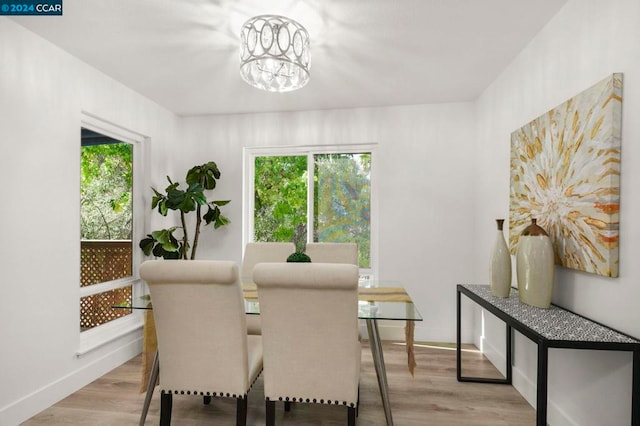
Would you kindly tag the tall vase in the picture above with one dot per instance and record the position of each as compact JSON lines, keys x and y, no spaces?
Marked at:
{"x":535,"y":266}
{"x":500,"y":269}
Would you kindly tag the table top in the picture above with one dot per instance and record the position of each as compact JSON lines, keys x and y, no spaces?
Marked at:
{"x":554,"y":323}
{"x":377,"y":300}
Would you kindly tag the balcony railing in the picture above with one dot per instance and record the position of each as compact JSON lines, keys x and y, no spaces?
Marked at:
{"x":102,"y":261}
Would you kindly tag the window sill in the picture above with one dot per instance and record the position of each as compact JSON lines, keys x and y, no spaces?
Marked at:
{"x":104,"y":334}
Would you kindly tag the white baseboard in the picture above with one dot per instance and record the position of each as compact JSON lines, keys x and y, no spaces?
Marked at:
{"x":526,"y":386}
{"x":30,"y":405}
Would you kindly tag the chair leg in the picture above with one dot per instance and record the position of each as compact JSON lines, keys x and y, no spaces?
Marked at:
{"x":241,"y":411}
{"x":166,"y":400}
{"x":351,"y":416}
{"x":270,"y":409}
{"x":287,"y":406}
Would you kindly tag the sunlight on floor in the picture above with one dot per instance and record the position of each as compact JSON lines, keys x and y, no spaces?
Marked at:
{"x":443,"y":346}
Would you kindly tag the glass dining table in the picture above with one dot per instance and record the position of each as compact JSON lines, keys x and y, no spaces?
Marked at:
{"x":378,"y":300}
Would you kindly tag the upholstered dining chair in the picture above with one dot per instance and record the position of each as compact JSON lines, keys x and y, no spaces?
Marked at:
{"x":258,"y":252}
{"x":203,"y":346}
{"x":255,"y":253}
{"x":310,"y":334}
{"x":333,"y":252}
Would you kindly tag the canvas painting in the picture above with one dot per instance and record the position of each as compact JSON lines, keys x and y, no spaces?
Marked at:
{"x":565,"y":172}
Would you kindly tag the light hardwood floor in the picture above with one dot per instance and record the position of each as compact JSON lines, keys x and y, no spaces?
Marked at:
{"x":432,"y":397}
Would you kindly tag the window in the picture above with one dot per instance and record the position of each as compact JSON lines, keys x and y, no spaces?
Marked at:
{"x":108,"y":226}
{"x":106,"y":221}
{"x":342,"y":201}
{"x":326,"y":190}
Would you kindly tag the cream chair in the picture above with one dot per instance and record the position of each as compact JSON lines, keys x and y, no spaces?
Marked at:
{"x":310,"y":334}
{"x":255,"y":253}
{"x":333,"y":253}
{"x":258,"y":252}
{"x":203,"y":344}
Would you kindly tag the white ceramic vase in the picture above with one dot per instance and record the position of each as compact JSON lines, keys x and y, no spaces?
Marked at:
{"x":535,"y":266}
{"x":500,"y":266}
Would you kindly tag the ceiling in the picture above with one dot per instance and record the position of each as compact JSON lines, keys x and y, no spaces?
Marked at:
{"x":184,"y":55}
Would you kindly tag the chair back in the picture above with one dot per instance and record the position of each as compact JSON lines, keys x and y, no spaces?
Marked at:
{"x":200,"y":324}
{"x":257,"y":252}
{"x":309,"y":315}
{"x":333,"y":253}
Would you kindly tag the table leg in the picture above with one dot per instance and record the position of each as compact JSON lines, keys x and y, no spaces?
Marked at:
{"x":458,"y":339}
{"x":153,"y":379}
{"x":635,"y":389}
{"x":378,"y":362}
{"x":509,"y":356}
{"x":541,"y":391}
{"x":459,"y":376}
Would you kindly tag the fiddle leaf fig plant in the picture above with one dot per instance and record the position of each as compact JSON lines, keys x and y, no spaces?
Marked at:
{"x":164,"y":243}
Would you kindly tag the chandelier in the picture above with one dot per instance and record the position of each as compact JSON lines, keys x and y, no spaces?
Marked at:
{"x":275,"y":53}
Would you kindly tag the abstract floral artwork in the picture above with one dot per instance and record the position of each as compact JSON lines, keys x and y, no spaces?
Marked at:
{"x":565,"y":172}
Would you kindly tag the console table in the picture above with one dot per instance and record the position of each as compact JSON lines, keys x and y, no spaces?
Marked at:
{"x":549,"y":328}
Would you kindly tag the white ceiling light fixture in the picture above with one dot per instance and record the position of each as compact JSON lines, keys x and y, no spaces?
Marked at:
{"x":274,"y":55}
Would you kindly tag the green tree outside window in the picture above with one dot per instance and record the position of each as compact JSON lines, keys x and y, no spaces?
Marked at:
{"x":105,"y":191}
{"x":341,"y":205}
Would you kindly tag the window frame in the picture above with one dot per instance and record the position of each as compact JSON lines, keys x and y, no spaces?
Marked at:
{"x":248,"y":188}
{"x":98,"y":336}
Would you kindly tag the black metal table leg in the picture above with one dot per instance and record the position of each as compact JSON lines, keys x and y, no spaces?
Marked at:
{"x":541,"y":391}
{"x":460,"y":377}
{"x":509,"y":355}
{"x":458,"y":339}
{"x":635,"y":390}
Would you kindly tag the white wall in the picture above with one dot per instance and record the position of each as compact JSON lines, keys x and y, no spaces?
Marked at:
{"x":42,"y":93}
{"x":584,"y":43}
{"x":423,"y":150}
{"x":444,"y":178}
{"x":424,"y":164}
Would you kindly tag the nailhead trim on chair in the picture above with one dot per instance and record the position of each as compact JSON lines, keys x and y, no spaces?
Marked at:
{"x":222,"y":394}
{"x":314,"y":400}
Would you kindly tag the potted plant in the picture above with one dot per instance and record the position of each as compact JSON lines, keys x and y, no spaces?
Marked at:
{"x":300,"y":242}
{"x":164,"y":243}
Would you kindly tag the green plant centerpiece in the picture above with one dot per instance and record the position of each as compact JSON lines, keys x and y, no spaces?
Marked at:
{"x":164,"y":243}
{"x":300,"y":241}
{"x":298,"y":257}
